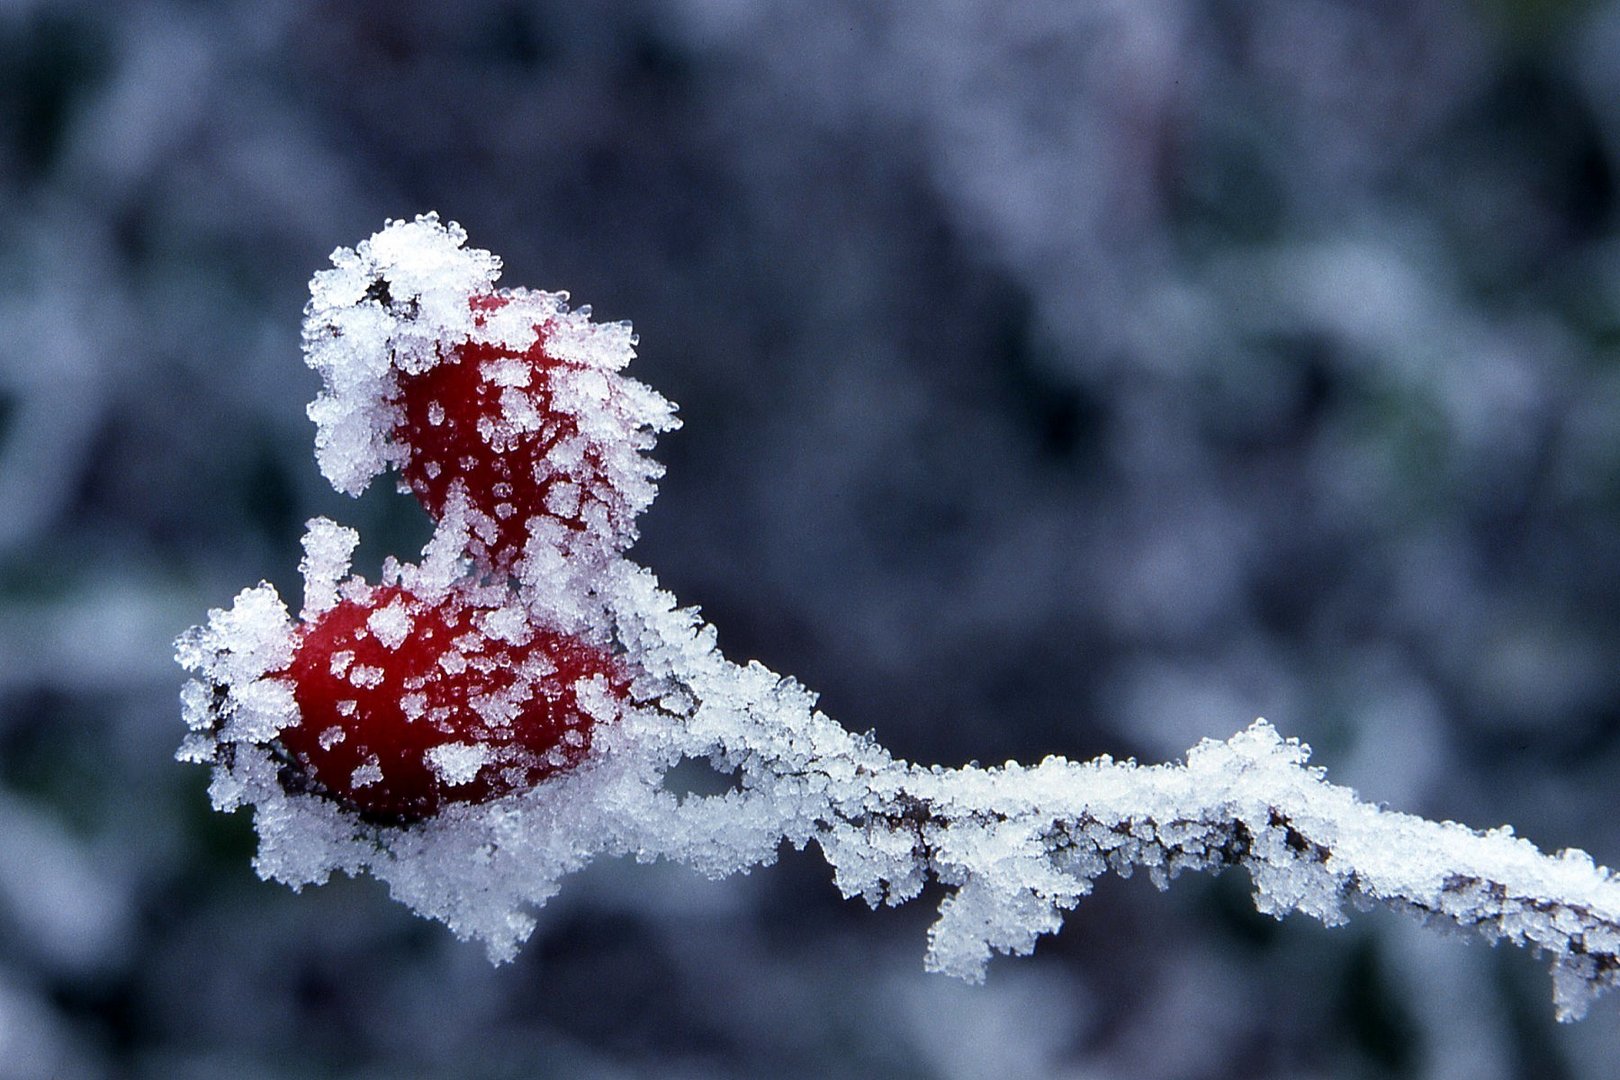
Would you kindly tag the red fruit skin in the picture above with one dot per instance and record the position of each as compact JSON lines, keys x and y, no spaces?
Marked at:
{"x":446,"y":423}
{"x":369,"y":720}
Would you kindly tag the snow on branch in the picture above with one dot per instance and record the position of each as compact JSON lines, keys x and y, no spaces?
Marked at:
{"x":473,"y":728}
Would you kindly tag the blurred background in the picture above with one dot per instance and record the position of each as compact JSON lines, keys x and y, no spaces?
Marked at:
{"x":1058,"y":377}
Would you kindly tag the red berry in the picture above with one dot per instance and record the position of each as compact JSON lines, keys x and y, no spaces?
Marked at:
{"x":406,"y":706}
{"x":505,"y":425}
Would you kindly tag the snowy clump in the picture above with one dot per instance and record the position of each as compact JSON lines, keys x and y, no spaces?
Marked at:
{"x":388,"y":306}
{"x":644,"y":688}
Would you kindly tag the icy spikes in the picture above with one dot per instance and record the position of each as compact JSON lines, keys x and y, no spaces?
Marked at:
{"x":405,"y":706}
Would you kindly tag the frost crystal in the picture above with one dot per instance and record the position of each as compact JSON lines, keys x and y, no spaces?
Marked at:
{"x":367,"y":772}
{"x":458,"y":763}
{"x":391,"y":624}
{"x":1015,"y":846}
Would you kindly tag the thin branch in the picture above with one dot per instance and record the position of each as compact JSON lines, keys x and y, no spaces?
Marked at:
{"x":1016,"y":846}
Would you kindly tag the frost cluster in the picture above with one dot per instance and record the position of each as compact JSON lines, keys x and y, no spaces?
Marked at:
{"x":1015,"y":846}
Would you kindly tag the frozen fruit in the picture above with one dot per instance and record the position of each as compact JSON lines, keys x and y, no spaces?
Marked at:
{"x":405,"y":705}
{"x":526,"y":432}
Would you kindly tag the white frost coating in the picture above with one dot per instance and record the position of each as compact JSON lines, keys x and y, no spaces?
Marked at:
{"x":391,"y":624}
{"x":365,"y":676}
{"x":519,"y":412}
{"x":442,"y":557}
{"x":393,"y":303}
{"x":563,"y":499}
{"x":328,"y":547}
{"x":497,"y":710}
{"x":366,"y":773}
{"x":458,"y":763}
{"x":510,"y":624}
{"x":1015,"y":846}
{"x":503,"y":373}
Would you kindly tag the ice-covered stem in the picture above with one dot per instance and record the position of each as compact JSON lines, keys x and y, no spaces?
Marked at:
{"x":1019,"y":845}
{"x":1022,"y":844}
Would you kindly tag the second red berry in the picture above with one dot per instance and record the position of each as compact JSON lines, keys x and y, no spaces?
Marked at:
{"x":406,"y":706}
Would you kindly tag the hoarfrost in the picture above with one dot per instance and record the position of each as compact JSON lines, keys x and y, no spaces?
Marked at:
{"x":507,"y":372}
{"x":365,"y":676}
{"x":497,"y":710}
{"x":399,"y":303}
{"x":1015,"y":846}
{"x":366,"y":773}
{"x":510,"y":624}
{"x":328,"y":547}
{"x":563,"y":499}
{"x":391,"y":624}
{"x":458,"y":763}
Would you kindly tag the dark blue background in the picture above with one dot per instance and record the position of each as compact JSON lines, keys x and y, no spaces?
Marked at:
{"x":1058,"y":378}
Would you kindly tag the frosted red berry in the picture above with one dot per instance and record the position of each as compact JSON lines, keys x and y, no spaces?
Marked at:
{"x":406,"y":706}
{"x":504,"y":425}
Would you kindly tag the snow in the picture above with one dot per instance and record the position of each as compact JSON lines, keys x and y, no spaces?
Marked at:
{"x":356,"y":337}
